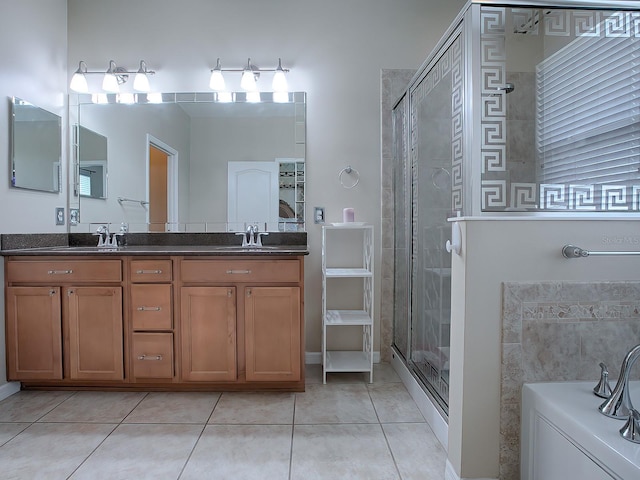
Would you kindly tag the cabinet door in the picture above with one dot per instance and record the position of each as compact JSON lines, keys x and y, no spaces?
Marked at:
{"x":94,"y":316}
{"x":34,"y":333}
{"x":272,"y":333}
{"x":208,"y":331}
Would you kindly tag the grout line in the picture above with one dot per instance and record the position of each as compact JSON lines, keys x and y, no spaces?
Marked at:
{"x":95,"y":449}
{"x":293,"y":429}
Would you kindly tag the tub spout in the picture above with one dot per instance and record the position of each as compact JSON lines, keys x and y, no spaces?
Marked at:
{"x":618,"y":405}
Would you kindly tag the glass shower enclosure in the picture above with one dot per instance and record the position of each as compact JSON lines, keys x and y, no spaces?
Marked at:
{"x":522,"y":108}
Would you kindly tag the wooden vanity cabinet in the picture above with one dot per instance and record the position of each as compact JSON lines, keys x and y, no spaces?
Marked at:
{"x":170,"y":323}
{"x":64,"y":320}
{"x":34,"y":333}
{"x":259,"y":300}
{"x":151,"y":320}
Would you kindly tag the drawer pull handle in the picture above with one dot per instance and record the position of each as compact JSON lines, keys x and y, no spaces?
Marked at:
{"x":152,"y":272}
{"x":60,"y":272}
{"x":150,"y":357}
{"x":238,"y":272}
{"x":149,"y":309}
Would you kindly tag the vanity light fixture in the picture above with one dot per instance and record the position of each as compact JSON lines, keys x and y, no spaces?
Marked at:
{"x":113,"y":78}
{"x":250,"y":76}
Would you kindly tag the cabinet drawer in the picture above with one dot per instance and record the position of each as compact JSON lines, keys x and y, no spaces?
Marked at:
{"x":64,"y":271}
{"x":240,"y":271}
{"x":151,"y":307}
{"x":150,"y":271}
{"x":152,"y":355}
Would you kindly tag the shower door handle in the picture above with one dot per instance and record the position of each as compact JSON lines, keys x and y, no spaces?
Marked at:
{"x":455,"y":244}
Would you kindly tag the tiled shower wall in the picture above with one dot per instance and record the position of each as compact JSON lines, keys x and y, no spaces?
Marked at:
{"x":560,"y":331}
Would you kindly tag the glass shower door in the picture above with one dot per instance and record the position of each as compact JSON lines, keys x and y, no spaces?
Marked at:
{"x":402,"y":222}
{"x":436,"y":163}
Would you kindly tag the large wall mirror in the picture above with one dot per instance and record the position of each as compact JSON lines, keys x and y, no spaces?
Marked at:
{"x":36,"y":145}
{"x":168,"y":158}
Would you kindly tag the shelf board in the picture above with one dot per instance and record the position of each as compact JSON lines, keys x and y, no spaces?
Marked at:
{"x":347,"y":272}
{"x":348,"y":361}
{"x":348,"y":317}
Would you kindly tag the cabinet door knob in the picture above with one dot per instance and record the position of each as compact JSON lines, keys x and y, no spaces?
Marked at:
{"x":248,"y":292}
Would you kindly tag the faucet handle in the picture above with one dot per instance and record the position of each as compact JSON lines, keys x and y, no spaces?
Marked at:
{"x":259,"y":238}
{"x":244,"y":238}
{"x":603,"y":389}
{"x":631,"y":429}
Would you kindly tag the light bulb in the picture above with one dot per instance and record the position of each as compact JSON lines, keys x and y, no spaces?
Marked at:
{"x":281,"y":97}
{"x":225,"y":97}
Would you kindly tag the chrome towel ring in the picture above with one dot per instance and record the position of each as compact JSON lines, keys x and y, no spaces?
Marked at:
{"x":348,"y":170}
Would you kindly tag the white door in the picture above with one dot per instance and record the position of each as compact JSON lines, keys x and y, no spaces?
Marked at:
{"x":253,"y":194}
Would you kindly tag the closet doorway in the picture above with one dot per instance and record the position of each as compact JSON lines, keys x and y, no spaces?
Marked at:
{"x":162,"y":162}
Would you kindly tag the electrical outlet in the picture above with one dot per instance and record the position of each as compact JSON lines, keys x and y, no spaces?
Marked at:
{"x":74,"y":216}
{"x":318,"y":215}
{"x":59,"y":215}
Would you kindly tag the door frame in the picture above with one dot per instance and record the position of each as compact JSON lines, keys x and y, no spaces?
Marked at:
{"x":172,"y":180}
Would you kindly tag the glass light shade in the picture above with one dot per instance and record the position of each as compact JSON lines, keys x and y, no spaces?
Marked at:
{"x":279,"y":82}
{"x":79,"y":83}
{"x":248,"y":81}
{"x":216,"y":82}
{"x":141,"y":82}
{"x":110,"y":83}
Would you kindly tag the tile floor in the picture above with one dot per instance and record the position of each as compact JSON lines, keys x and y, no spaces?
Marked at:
{"x":346,"y":429}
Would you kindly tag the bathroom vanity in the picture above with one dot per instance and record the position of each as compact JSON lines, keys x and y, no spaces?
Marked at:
{"x":209,"y":317}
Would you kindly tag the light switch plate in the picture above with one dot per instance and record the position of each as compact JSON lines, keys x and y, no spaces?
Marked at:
{"x":59,"y":215}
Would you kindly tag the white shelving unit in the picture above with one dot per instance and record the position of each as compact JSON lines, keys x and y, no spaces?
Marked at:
{"x":341,"y":238}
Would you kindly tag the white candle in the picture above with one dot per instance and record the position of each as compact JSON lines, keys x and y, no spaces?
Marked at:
{"x":348,"y":215}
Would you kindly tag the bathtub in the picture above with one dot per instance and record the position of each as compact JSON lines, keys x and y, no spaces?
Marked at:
{"x":565,"y":437}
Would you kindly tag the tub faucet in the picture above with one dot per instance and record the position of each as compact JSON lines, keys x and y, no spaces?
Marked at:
{"x":618,"y":405}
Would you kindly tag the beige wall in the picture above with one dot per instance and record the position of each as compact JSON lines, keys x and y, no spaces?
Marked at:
{"x":335,"y":50}
{"x":497,"y":251}
{"x":33,"y":44}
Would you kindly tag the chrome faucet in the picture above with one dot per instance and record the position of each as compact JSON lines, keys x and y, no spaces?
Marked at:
{"x":252,"y":237}
{"x":105,"y":238}
{"x":619,"y":405}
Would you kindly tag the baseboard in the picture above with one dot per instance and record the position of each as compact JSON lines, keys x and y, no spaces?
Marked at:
{"x":9,"y":389}
{"x":431,"y":414}
{"x":315,"y":358}
{"x":449,"y":472}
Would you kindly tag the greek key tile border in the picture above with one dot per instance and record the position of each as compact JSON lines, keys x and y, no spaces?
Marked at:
{"x":497,"y":192}
{"x":448,"y":67}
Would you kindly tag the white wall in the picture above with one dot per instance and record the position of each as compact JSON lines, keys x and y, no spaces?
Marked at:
{"x":335,"y":50}
{"x":497,"y":251}
{"x":33,"y":55}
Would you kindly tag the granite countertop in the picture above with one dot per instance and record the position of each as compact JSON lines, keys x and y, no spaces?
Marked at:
{"x":219,"y":244}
